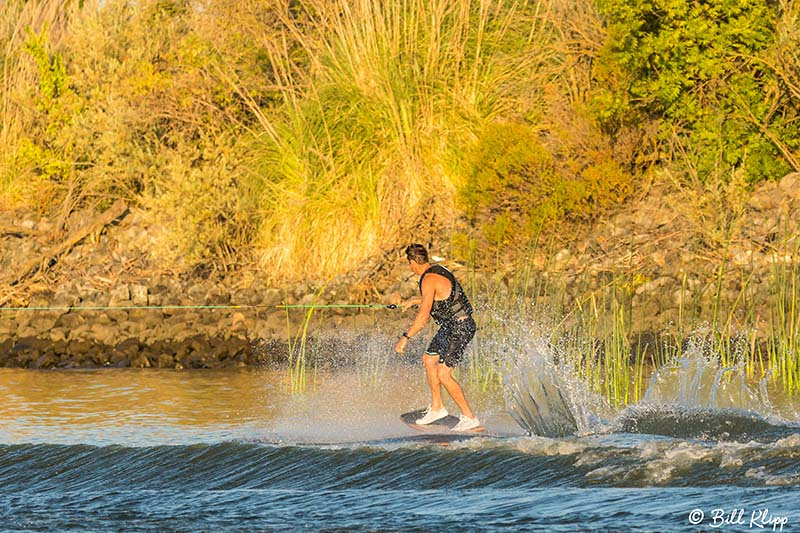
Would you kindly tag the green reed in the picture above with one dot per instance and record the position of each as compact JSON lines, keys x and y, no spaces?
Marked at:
{"x":483,"y":373}
{"x":298,"y":344}
{"x":737,"y":333}
{"x":591,"y":334}
{"x":615,"y":367}
{"x":783,"y":348}
{"x":500,"y":299}
{"x":297,"y":353}
{"x":594,"y":332}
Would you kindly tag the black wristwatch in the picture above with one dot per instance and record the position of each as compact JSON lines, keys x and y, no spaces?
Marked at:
{"x":406,"y":335}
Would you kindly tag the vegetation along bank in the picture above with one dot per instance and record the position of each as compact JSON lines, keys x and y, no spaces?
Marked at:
{"x":592,"y":156}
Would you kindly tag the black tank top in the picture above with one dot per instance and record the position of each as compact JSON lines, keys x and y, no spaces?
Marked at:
{"x":455,"y":306}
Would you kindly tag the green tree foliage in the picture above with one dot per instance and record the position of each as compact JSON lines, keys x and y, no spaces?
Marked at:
{"x":694,"y":67}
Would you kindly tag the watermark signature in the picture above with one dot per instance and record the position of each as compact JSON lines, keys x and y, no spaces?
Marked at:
{"x":752,"y":518}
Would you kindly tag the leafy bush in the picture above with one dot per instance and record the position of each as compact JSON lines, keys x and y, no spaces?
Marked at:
{"x":517,"y":185}
{"x":693,"y":67}
{"x":124,"y":103}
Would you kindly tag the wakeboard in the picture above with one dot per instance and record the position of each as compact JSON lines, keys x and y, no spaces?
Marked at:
{"x":443,"y":425}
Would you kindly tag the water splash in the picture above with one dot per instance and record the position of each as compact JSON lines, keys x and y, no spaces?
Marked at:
{"x":692,"y":397}
{"x":535,"y":399}
{"x":546,"y":398}
{"x":697,"y":379}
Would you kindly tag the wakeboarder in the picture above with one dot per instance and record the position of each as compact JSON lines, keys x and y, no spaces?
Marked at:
{"x":443,"y":299}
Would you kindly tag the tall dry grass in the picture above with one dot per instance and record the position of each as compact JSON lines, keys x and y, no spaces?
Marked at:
{"x":381,"y":100}
{"x":307,"y":136}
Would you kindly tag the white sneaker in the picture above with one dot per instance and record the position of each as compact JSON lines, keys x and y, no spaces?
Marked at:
{"x":431,"y":416}
{"x":466,"y":423}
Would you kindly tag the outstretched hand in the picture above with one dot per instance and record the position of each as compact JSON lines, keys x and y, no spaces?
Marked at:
{"x":401,"y":345}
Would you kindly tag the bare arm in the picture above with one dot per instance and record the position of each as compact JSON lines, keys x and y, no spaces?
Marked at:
{"x":425,"y":305}
{"x":423,"y":315}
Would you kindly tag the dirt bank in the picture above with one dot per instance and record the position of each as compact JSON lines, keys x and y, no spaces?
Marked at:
{"x":670,"y":257}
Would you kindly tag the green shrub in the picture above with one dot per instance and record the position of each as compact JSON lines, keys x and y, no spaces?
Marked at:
{"x":692,"y":66}
{"x":514,"y":179}
{"x":46,"y":154}
{"x":517,"y":185}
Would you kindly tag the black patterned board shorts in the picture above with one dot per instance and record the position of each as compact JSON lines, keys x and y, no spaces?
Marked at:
{"x":451,"y":340}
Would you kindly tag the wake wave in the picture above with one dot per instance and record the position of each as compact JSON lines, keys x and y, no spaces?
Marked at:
{"x":520,"y":463}
{"x":701,"y":423}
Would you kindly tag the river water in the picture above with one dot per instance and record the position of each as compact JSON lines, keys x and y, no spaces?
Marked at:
{"x":162,"y":450}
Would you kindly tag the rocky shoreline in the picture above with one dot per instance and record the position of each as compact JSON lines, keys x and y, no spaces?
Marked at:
{"x":663,"y":256}
{"x":159,"y":331}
